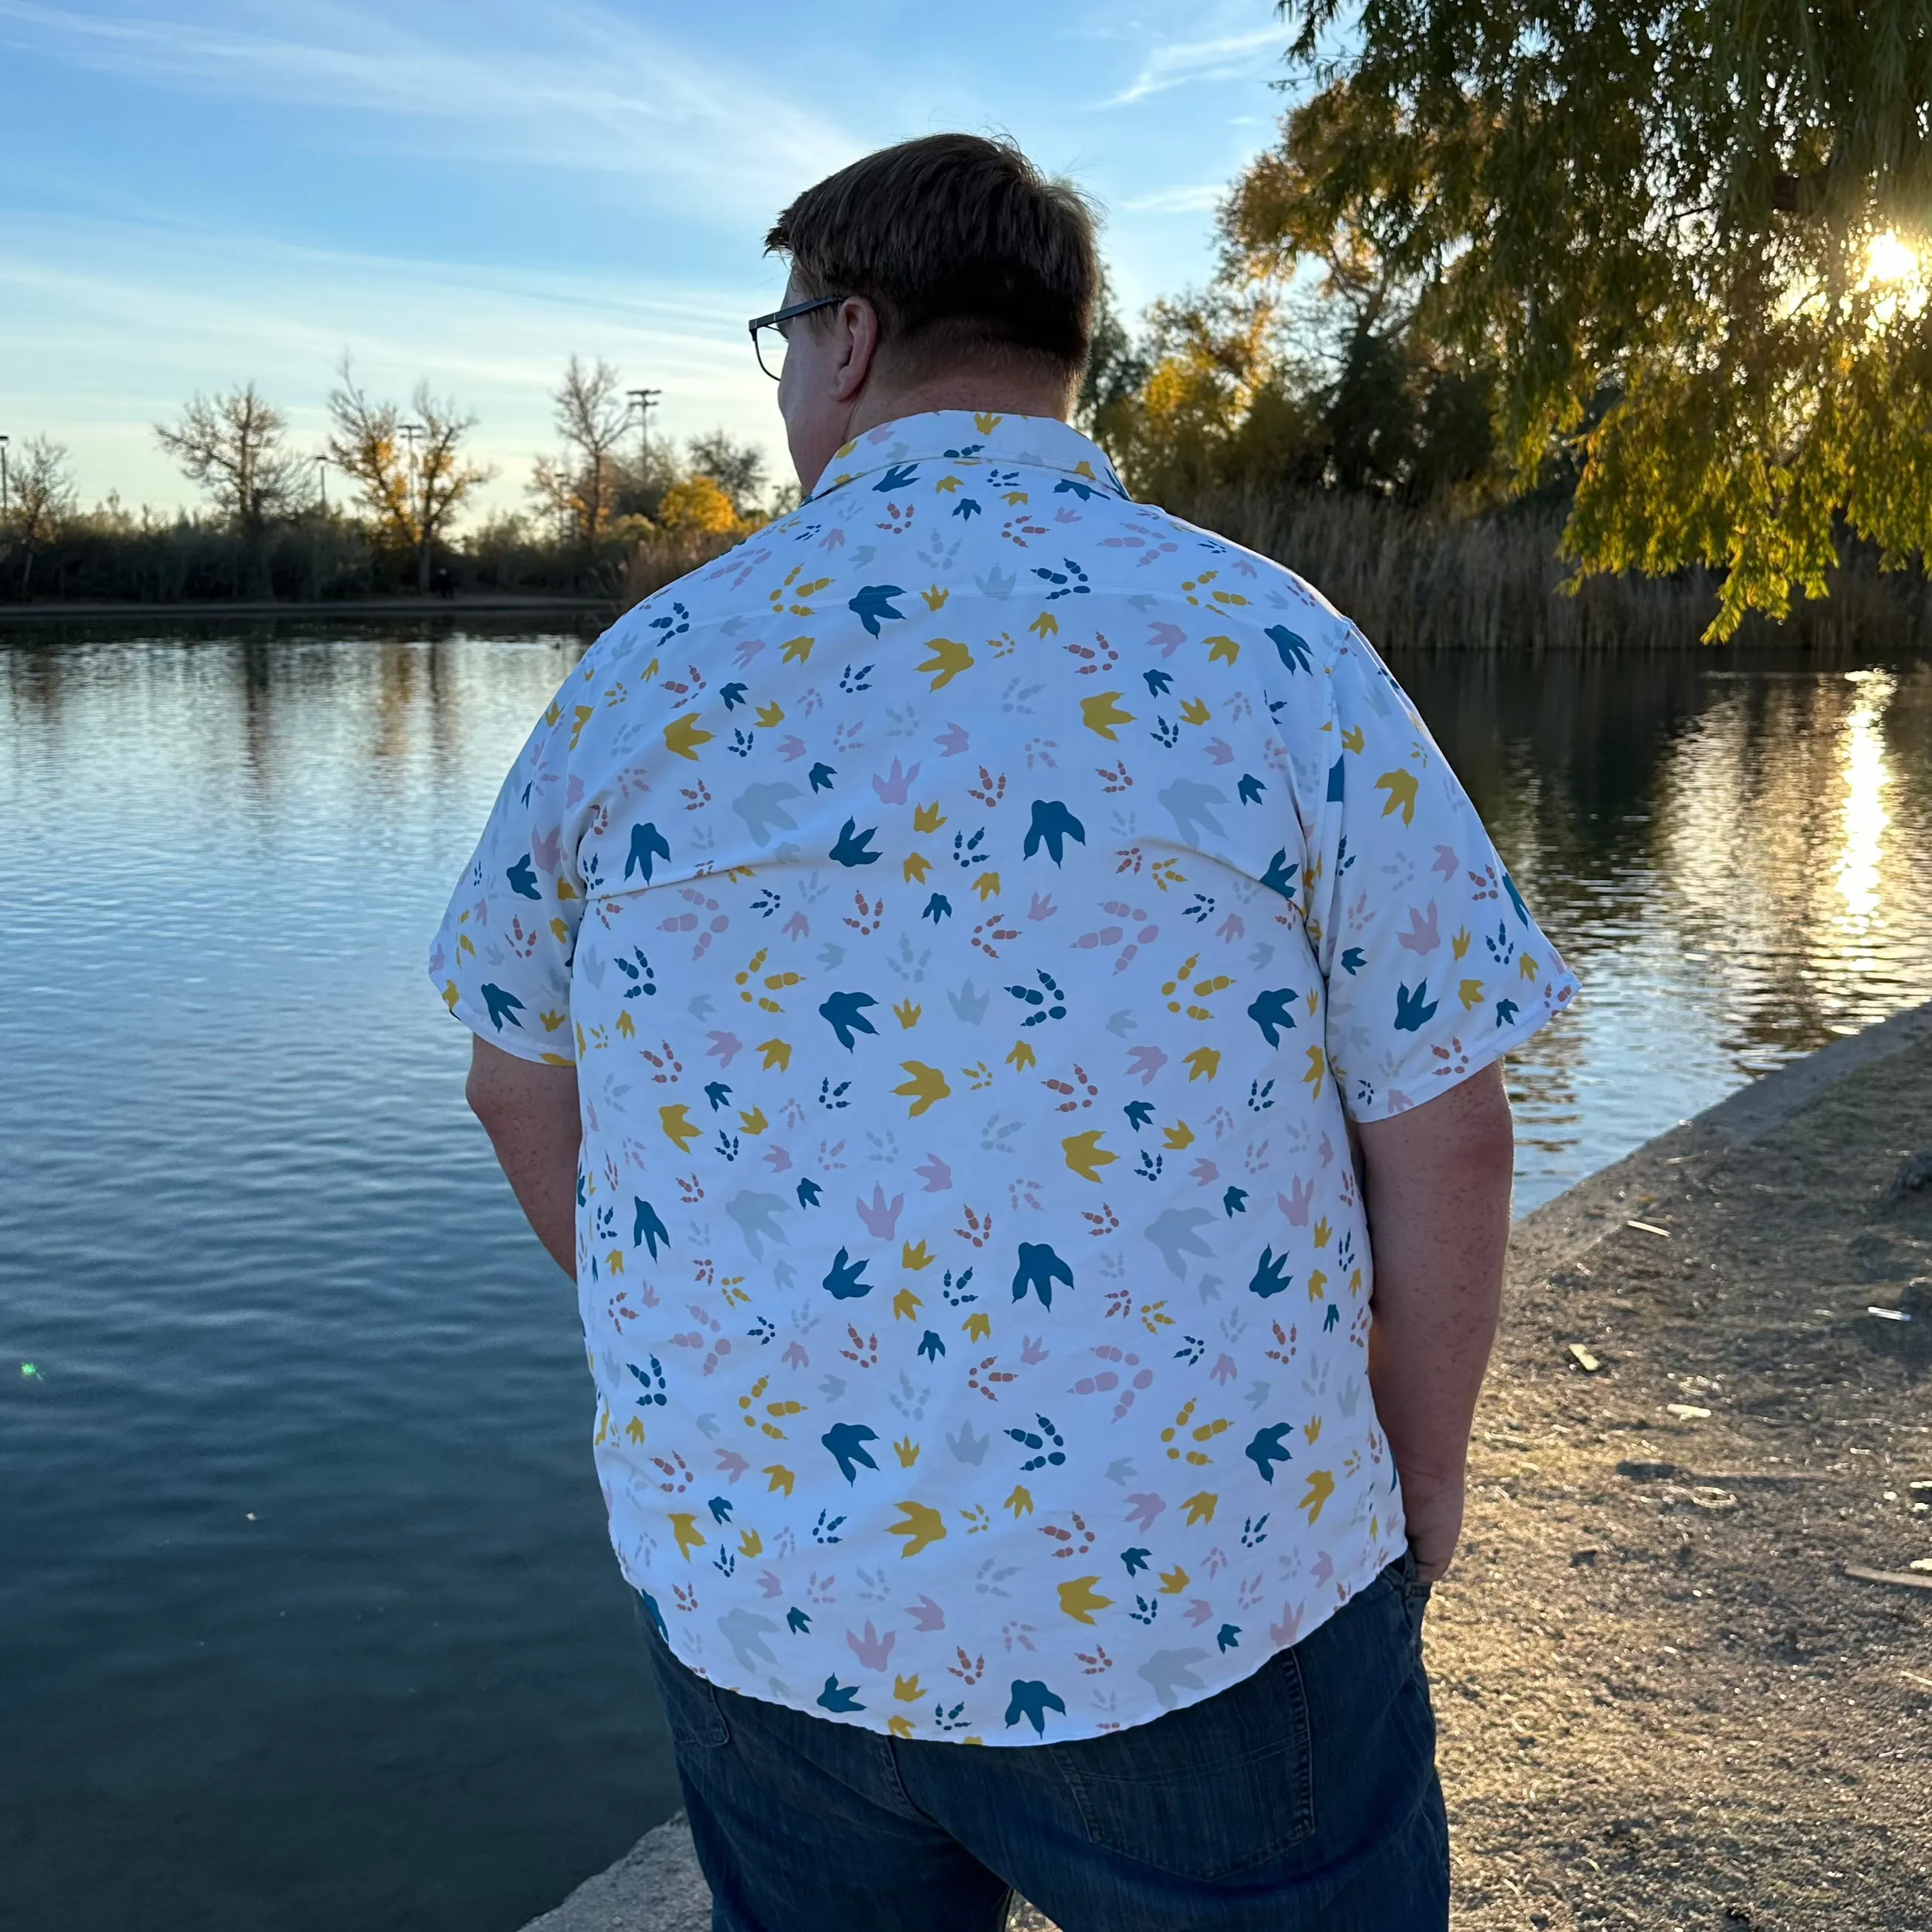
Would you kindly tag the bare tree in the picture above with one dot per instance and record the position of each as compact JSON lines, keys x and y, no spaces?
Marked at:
{"x":446,"y":479}
{"x":553,"y":488}
{"x":411,"y":496}
{"x":365,"y":445}
{"x":232,"y":447}
{"x":592,"y":415}
{"x":41,"y":500}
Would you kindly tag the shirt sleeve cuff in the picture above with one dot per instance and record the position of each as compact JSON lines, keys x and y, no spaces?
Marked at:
{"x":512,"y":1040}
{"x":1398,"y":1096}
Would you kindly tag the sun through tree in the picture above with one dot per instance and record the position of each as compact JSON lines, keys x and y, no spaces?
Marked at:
{"x":1687,"y":237}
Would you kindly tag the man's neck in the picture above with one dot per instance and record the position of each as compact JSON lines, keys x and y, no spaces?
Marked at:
{"x":982,"y":394}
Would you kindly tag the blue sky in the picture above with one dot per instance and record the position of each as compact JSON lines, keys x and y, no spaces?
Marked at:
{"x":193,"y":192}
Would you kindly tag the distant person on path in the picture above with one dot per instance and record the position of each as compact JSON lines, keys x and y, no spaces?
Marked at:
{"x":998,"y":1001}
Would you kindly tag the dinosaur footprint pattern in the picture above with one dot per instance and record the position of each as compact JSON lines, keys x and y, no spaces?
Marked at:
{"x":968,"y":1239}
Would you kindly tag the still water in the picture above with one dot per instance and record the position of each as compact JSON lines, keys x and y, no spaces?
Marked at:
{"x":306,"y":1616}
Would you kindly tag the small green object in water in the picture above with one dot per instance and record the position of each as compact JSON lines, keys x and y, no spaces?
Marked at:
{"x":28,"y":1369}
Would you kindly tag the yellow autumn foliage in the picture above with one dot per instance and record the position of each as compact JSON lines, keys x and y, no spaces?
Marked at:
{"x":698,"y":505}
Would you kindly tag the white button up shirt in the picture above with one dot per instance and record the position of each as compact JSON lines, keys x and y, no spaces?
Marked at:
{"x":976,"y":906}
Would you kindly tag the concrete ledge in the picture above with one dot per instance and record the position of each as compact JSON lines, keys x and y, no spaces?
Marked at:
{"x":657,"y":1886}
{"x":1564,"y":1228}
{"x":1754,"y":1111}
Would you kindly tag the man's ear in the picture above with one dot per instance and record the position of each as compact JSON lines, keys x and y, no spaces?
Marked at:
{"x":857,"y":322}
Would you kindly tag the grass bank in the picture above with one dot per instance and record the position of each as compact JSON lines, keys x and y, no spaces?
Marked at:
{"x":104,"y":559}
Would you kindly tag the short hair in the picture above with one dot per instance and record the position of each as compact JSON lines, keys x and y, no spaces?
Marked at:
{"x":966,"y":252}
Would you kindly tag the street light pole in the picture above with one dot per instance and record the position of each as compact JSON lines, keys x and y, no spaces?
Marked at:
{"x":409,"y":432}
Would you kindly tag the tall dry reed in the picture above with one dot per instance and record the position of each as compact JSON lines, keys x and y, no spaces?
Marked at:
{"x":662,"y":559}
{"x":1420,"y":579}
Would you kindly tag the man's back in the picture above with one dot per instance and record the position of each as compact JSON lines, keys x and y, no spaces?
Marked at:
{"x":977,"y":906}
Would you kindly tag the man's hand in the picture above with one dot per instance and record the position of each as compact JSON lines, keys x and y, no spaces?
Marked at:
{"x":1436,"y":1181}
{"x":529,"y":1111}
{"x":1435,"y":1515}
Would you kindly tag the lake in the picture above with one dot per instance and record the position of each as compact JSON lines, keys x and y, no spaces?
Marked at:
{"x":307,"y":1618}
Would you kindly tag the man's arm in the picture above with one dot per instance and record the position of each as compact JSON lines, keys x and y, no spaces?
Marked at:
{"x":529,"y":1111}
{"x":1436,"y":1180}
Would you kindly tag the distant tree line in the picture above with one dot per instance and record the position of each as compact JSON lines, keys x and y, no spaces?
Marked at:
{"x":377,"y":507}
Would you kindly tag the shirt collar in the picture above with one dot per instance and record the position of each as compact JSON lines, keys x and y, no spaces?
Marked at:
{"x":960,"y":437}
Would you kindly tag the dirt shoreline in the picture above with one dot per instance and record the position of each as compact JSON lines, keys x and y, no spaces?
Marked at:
{"x":1663,"y":1702}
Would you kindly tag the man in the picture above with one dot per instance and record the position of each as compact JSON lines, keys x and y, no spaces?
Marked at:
{"x":962,"y":982}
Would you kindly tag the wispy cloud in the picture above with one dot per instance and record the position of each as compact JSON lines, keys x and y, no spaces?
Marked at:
{"x":1178,"y":200}
{"x":1177,"y":63}
{"x":571,"y":85}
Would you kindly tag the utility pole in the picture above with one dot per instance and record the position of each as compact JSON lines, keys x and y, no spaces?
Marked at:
{"x":3,"y":475}
{"x":644,"y":400}
{"x":322,"y":481}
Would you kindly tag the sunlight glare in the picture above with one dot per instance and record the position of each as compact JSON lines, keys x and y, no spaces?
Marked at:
{"x":1862,"y":756}
{"x":1888,"y":258}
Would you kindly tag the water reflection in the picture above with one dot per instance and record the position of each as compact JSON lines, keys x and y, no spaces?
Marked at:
{"x":1865,"y":817}
{"x":1782,"y":862}
{"x":1727,"y":848}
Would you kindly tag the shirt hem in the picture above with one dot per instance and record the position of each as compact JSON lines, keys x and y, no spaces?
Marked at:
{"x":1059,"y":1730}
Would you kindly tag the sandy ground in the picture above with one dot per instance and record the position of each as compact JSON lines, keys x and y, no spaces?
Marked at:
{"x":1663,"y":1703}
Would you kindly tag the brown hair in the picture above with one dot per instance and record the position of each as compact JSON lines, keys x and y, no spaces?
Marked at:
{"x":966,"y":251}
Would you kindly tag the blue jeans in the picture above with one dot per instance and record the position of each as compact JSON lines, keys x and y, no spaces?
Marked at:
{"x":1304,"y":1797}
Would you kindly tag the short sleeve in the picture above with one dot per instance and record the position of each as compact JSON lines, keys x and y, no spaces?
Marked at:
{"x":502,"y":958}
{"x":1433,"y":965}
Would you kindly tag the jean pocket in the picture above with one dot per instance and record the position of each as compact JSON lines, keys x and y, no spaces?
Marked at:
{"x":691,"y":1704}
{"x":1415,"y":1591}
{"x":1415,"y":1602}
{"x":1205,"y":1791}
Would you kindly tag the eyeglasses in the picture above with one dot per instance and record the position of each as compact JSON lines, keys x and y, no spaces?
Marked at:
{"x":769,"y":333}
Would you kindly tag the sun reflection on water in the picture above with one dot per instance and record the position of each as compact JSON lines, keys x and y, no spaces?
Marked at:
{"x":1864,"y":818}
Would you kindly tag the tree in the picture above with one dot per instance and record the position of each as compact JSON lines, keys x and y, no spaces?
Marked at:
{"x":232,"y":446}
{"x":1114,"y":372}
{"x":737,"y":468}
{"x":365,"y":444}
{"x":410,"y":495}
{"x":1684,"y":236}
{"x":701,"y":505}
{"x":40,"y":501}
{"x":580,"y":488}
{"x":1210,"y":399}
